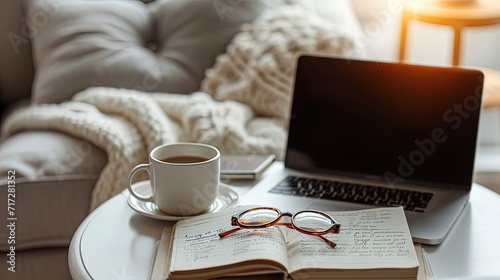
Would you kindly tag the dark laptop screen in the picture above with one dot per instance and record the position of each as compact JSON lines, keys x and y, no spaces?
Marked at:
{"x":392,"y":122}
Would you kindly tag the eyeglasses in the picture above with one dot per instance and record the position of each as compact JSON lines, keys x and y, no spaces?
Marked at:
{"x":310,"y":222}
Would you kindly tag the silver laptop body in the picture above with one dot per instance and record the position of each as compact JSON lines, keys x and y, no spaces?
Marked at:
{"x":390,"y":125}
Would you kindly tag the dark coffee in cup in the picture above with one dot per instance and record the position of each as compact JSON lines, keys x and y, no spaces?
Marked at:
{"x":184,"y":159}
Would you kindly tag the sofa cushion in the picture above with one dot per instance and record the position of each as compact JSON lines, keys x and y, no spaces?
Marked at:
{"x":38,"y":154}
{"x":16,"y":67}
{"x":54,"y":178}
{"x":39,"y":264}
{"x":49,"y":210}
{"x":164,"y":46}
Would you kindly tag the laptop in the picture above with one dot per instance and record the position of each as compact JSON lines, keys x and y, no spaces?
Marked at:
{"x":370,"y":134}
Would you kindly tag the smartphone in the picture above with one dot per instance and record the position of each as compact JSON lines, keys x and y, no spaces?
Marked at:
{"x":244,"y":167}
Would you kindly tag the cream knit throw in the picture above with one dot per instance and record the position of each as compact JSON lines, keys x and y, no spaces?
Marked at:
{"x":258,"y":66}
{"x":243,"y":110}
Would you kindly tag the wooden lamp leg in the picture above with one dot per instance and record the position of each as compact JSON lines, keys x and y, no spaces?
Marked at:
{"x":456,"y":45}
{"x":402,"y":40}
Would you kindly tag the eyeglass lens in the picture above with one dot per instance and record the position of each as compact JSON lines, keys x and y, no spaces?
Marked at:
{"x":258,"y":217}
{"x":306,"y":221}
{"x":312,"y":222}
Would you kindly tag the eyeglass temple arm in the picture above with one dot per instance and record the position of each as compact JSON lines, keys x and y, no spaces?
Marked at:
{"x":329,"y":242}
{"x":231,"y":231}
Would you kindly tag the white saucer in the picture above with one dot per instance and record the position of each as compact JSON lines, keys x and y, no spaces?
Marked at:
{"x":227,"y":198}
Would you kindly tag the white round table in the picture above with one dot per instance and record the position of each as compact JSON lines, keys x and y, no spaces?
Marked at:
{"x":115,"y":242}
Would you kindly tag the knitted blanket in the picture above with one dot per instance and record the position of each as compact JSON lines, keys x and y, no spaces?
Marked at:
{"x":241,"y":108}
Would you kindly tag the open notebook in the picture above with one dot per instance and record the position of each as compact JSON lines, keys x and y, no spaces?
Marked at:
{"x":373,"y":242}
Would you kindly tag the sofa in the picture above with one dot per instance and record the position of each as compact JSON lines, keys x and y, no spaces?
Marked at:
{"x":52,"y":174}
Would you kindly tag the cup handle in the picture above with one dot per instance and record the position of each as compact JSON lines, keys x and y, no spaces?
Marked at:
{"x":131,"y":176}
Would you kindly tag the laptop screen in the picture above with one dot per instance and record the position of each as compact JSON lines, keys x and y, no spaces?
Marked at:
{"x":392,"y":122}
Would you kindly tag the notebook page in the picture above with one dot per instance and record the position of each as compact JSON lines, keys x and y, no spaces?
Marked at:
{"x":368,"y":238}
{"x":198,"y":246}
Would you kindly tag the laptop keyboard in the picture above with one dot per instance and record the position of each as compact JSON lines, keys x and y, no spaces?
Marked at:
{"x":357,"y":193}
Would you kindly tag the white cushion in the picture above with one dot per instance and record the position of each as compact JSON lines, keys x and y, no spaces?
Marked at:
{"x":163,"y":47}
{"x":258,"y":67}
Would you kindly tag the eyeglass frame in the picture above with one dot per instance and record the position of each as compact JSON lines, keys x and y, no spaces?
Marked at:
{"x":235,"y":221}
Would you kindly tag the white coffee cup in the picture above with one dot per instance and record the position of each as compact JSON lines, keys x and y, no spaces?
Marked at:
{"x":184,"y":178}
